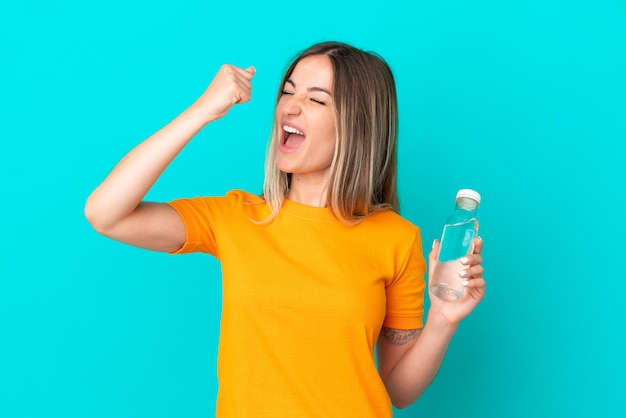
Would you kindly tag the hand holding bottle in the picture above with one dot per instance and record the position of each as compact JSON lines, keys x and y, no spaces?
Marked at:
{"x":471,"y":276}
{"x":457,"y":242}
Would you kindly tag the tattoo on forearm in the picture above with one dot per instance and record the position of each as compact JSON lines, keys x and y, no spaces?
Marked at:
{"x":400,"y":336}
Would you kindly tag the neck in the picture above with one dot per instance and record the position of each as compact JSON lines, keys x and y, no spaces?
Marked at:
{"x":308,"y":190}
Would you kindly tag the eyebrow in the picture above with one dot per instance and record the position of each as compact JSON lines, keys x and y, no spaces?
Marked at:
{"x":310,"y":88}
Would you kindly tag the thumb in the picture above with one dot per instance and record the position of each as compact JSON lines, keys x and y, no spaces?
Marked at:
{"x":432,"y":257}
{"x":251,"y":69}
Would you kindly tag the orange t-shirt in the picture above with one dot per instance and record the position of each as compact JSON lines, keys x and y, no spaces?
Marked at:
{"x":304,"y":299}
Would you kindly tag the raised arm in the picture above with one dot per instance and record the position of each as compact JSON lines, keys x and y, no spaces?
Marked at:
{"x":115,"y":208}
{"x":408,"y":360}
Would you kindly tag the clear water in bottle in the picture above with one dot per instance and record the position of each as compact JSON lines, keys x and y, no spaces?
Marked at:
{"x":451,"y":284}
{"x":457,"y":241}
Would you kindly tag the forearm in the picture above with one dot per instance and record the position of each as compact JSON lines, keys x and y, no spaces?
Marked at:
{"x":408,"y":367}
{"x":417,"y":368}
{"x":124,"y":188}
{"x":121,"y":192}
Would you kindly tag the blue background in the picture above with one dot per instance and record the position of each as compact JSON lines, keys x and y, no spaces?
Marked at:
{"x":522,"y":100}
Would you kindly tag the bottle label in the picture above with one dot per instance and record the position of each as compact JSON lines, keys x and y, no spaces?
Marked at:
{"x":457,"y":240}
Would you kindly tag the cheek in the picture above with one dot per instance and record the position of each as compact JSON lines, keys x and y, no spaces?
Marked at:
{"x":329,"y":147}
{"x":328,"y":124}
{"x":331,"y":136}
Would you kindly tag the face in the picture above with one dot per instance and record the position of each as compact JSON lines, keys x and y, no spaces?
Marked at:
{"x":305,"y":117}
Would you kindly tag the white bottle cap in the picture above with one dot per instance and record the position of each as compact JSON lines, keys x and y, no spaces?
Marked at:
{"x":472,"y":194}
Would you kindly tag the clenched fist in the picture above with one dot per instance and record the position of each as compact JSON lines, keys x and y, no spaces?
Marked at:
{"x":230,"y":86}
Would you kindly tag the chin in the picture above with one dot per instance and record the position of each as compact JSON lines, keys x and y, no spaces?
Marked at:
{"x":284,"y":166}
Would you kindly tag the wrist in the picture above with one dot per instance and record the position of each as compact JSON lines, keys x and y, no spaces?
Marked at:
{"x":438,"y":322}
{"x":199,"y":115}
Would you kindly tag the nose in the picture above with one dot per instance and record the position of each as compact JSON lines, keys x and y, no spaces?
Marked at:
{"x":291,"y":104}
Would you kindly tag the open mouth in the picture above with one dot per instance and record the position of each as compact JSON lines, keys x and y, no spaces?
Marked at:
{"x":292,"y":137}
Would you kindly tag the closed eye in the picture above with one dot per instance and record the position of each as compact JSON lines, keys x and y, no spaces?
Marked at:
{"x":286,"y":92}
{"x":319,"y":101}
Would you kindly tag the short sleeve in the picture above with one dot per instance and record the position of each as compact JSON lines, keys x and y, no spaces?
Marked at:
{"x":405,"y":293}
{"x":201,"y":215}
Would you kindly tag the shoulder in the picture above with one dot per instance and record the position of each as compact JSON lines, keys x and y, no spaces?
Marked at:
{"x":233,"y":197}
{"x":252,"y":205}
{"x":227,"y":203}
{"x":241,"y":197}
{"x":391,"y":223}
{"x":388,"y":231}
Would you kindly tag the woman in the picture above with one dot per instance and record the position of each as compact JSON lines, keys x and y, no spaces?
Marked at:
{"x":320,"y":268}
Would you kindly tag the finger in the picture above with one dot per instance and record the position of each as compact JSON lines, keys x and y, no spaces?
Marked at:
{"x":246,"y":73}
{"x":235,"y":75}
{"x":244,"y":93}
{"x":245,"y":84}
{"x":434,"y":252}
{"x":472,"y":272}
{"x":231,"y":73}
{"x":243,"y":81}
{"x":475,"y":283}
{"x":478,"y":245}
{"x":472,"y":259}
{"x":243,"y":96}
{"x":241,"y":90}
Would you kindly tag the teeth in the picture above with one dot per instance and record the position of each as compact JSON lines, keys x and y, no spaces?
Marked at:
{"x":292,"y":130}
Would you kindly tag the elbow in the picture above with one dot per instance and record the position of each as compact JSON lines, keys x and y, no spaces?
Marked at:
{"x":401,"y":403}
{"x":94,"y":217}
{"x":401,"y":396}
{"x":403,"y":399}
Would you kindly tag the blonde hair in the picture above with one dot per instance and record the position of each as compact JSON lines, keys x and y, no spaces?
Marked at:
{"x":363,"y":170}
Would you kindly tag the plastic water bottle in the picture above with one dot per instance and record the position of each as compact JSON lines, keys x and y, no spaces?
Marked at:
{"x":457,"y":241}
